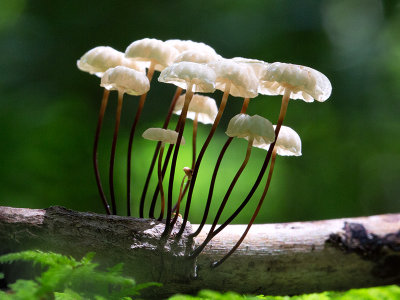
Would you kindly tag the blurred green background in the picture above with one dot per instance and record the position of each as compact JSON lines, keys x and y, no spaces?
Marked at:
{"x":351,"y":143}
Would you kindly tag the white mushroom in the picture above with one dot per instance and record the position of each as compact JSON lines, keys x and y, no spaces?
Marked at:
{"x":162,"y":135}
{"x":287,"y":143}
{"x":123,"y":80}
{"x":303,"y":82}
{"x":255,"y":128}
{"x":100,"y":59}
{"x":201,"y":109}
{"x":158,"y":53}
{"x":194,"y":78}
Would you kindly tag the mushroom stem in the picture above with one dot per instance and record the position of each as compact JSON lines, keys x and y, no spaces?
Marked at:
{"x":153,"y":160}
{"x":201,"y":154}
{"x":143,"y":97}
{"x":197,"y":251}
{"x":182,"y":120}
{"x":113,"y":147}
{"x":194,"y":140}
{"x":160,"y":180}
{"x":103,"y":107}
{"x":285,"y":102}
{"x":181,"y":195}
{"x":260,"y":202}
{"x":214,"y":176}
{"x":245,"y":104}
{"x":174,"y":209}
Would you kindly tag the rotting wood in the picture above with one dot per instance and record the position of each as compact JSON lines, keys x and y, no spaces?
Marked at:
{"x":286,"y":258}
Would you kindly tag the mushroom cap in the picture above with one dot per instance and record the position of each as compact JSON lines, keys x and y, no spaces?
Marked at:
{"x":305,"y":83}
{"x":245,"y":126}
{"x":181,"y":74}
{"x":99,"y":59}
{"x":197,"y":56}
{"x":152,"y":50}
{"x":204,"y":106}
{"x":244,"y":82}
{"x":184,"y":45}
{"x":125,"y":80}
{"x":258,"y":66}
{"x":288,"y":142}
{"x":162,"y":135}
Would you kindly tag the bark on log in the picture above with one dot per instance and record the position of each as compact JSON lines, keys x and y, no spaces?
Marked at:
{"x":287,"y":258}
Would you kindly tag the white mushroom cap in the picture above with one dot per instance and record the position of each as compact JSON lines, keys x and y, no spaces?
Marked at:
{"x":205,"y":108}
{"x":152,"y":50}
{"x":125,"y":80}
{"x":162,"y":135}
{"x":245,"y":126}
{"x":244,"y":82}
{"x":197,"y":56}
{"x":181,"y":74}
{"x":100,"y":59}
{"x":288,"y":142}
{"x":305,"y":83}
{"x":184,"y":45}
{"x":258,"y":66}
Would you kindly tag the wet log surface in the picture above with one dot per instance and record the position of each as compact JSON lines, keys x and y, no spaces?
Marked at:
{"x":285,"y":258}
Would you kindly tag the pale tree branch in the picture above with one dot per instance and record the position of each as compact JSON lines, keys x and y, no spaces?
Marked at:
{"x":287,"y":258}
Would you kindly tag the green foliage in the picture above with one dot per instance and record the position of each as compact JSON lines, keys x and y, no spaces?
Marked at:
{"x":66,"y":278}
{"x":383,"y":293}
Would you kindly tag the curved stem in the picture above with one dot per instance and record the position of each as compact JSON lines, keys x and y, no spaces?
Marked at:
{"x":153,"y":160}
{"x":225,"y":200}
{"x":143,"y":97}
{"x":260,"y":202}
{"x":284,"y":105}
{"x":103,"y":107}
{"x":174,"y":209}
{"x":201,"y":154}
{"x":112,"y":158}
{"x":214,"y":176}
{"x":182,"y":120}
{"x":160,"y":180}
{"x":181,"y":195}
{"x":194,"y":140}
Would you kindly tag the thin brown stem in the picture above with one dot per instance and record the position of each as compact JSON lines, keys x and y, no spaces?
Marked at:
{"x":103,"y":107}
{"x":201,"y":154}
{"x":284,"y":105}
{"x":182,"y":120}
{"x":245,"y":105}
{"x":153,"y":160}
{"x":113,"y":147}
{"x":214,"y":176}
{"x":197,"y":251}
{"x":160,"y":180}
{"x":174,"y":209}
{"x":260,"y":202}
{"x":142,"y":100}
{"x":181,"y":195}
{"x":194,"y":140}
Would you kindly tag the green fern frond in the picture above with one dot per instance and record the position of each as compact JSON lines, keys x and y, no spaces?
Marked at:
{"x":66,"y":278}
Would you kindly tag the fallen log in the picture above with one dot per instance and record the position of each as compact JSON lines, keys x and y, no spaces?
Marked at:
{"x":286,"y":258}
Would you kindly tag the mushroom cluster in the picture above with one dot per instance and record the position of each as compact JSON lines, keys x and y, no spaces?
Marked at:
{"x":197,"y":68}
